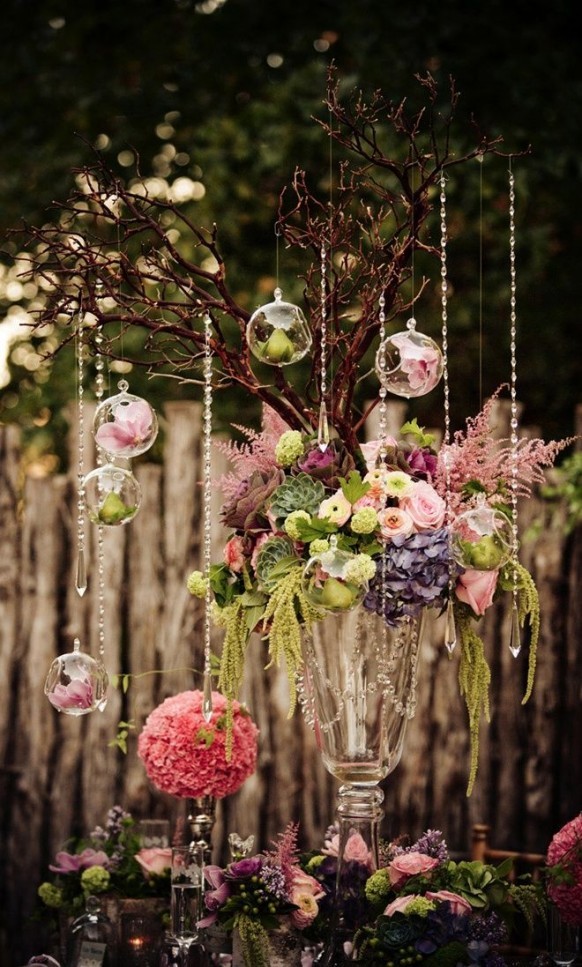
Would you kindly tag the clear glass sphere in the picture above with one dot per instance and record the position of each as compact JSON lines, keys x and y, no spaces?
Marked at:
{"x":481,"y":538}
{"x":278,"y":334}
{"x":327,"y":582}
{"x":409,"y":363}
{"x":76,"y":684}
{"x":112,"y":495}
{"x":125,"y":425}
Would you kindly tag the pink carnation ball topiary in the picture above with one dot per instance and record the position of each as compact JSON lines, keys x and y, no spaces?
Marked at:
{"x":565,"y":857}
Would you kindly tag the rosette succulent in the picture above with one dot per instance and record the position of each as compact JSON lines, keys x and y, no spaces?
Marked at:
{"x":297,"y":493}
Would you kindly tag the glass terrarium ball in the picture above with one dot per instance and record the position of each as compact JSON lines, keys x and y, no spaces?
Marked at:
{"x":76,"y":684}
{"x":112,"y":495}
{"x":409,"y":363}
{"x":330,"y":580}
{"x":125,"y":425}
{"x":481,"y":538}
{"x":277,"y":333}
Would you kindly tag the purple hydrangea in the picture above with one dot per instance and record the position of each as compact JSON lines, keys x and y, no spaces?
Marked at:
{"x":413,"y":574}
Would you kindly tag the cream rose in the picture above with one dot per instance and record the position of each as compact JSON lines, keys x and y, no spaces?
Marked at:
{"x":425,"y":507}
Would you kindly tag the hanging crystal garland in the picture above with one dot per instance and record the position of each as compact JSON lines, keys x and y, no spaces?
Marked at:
{"x":323,"y":426}
{"x":207,"y":682}
{"x":99,"y":393}
{"x":515,"y":638}
{"x":81,"y":574}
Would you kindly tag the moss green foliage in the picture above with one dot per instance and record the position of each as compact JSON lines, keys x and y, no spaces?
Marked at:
{"x":474,"y":680}
{"x":528,"y":606}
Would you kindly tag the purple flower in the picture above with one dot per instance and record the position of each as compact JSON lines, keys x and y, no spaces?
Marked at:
{"x":243,"y":869}
{"x":415,"y":574}
{"x":423,"y":464}
{"x":327,"y":465}
{"x":431,"y":843}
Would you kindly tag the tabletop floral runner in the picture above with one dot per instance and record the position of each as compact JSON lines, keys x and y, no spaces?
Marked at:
{"x":420,"y":907}
{"x":318,"y":530}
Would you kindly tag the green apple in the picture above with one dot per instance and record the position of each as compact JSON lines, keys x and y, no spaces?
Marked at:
{"x":336,"y":596}
{"x":486,"y":554}
{"x":113,"y":510}
{"x":278,"y":348}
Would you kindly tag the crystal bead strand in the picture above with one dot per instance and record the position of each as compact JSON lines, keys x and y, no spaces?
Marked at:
{"x":514,"y":639}
{"x":323,"y":428}
{"x":207,"y":457}
{"x":99,"y":392}
{"x":81,"y":573}
{"x":382,"y":424}
{"x":450,"y":630}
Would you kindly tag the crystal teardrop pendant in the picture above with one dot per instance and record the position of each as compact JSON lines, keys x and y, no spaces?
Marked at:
{"x":323,"y":429}
{"x":409,"y":363}
{"x":125,"y":425}
{"x":514,"y":635}
{"x":207,"y":697}
{"x":481,"y":538}
{"x":81,"y":575}
{"x":277,"y":333}
{"x":330,"y":581}
{"x":76,"y":684}
{"x":112,"y":495}
{"x":450,"y":630}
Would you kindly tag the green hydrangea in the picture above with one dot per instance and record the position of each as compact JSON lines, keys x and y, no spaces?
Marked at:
{"x":314,"y":863}
{"x":319,"y":546}
{"x":290,"y":525}
{"x":289,"y":448}
{"x":218,"y":615}
{"x":378,"y":888}
{"x":364,"y":521}
{"x":197,"y":584}
{"x":419,"y":906}
{"x":51,"y":895}
{"x":360,"y":570}
{"x":95,"y":880}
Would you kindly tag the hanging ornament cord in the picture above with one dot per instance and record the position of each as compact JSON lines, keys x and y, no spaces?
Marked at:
{"x":450,"y":630}
{"x":323,"y":427}
{"x":81,"y":573}
{"x":514,"y":640}
{"x":207,"y":457}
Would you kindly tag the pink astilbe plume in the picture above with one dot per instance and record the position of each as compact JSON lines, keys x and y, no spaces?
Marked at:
{"x":285,"y":854}
{"x":256,"y":454}
{"x":475,"y":454}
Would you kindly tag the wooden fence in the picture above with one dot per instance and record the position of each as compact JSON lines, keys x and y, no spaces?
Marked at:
{"x":59,"y":775}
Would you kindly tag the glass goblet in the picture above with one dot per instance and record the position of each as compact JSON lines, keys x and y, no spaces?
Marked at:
{"x":187,"y":877}
{"x":562,"y":938}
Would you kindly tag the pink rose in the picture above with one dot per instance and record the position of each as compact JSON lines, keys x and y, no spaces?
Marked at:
{"x":476,"y":588}
{"x":425,"y":506}
{"x":357,"y":850}
{"x":233,"y":554}
{"x":395,"y":522}
{"x":399,"y":904}
{"x":409,"y":864}
{"x":154,"y":861}
{"x":459,"y":905}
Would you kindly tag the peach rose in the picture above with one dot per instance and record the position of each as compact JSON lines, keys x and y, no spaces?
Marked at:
{"x":459,"y":905}
{"x":476,"y":588}
{"x":399,"y":904}
{"x":154,"y":861}
{"x":395,"y":522}
{"x":425,"y":506}
{"x":409,"y":864}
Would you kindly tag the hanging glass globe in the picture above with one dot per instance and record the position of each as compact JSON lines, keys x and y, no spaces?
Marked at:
{"x":76,"y":684}
{"x":481,"y":538}
{"x":112,"y":495}
{"x":277,"y":333}
{"x":409,"y":363}
{"x":125,"y":425}
{"x":331,"y":581}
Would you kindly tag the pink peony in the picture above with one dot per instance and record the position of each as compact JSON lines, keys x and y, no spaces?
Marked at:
{"x":565,"y":853}
{"x":458,"y":904}
{"x":233,"y":554}
{"x":131,"y":426}
{"x":409,"y":864}
{"x":425,"y":506}
{"x":75,"y":862}
{"x":77,"y":694}
{"x":399,"y":904}
{"x":185,"y":756}
{"x":154,"y":861}
{"x":476,"y":588}
{"x":395,"y":523}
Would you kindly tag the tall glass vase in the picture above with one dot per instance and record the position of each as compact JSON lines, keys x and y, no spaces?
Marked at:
{"x":359,"y":691}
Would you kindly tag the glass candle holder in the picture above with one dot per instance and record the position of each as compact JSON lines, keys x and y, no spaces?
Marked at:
{"x":141,"y":940}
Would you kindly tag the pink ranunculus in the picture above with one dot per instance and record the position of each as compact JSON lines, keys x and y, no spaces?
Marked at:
{"x":76,"y":862}
{"x":154,"y":861}
{"x":305,"y":892}
{"x":476,"y":588}
{"x":375,"y":498}
{"x":336,"y":509}
{"x":233,"y":554}
{"x":395,"y":522}
{"x":425,"y":506}
{"x":78,"y":693}
{"x":371,"y":450}
{"x":399,"y":904}
{"x":458,"y":904}
{"x":409,"y":864}
{"x":130,"y":427}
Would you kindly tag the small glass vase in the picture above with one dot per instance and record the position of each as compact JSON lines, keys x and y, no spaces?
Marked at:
{"x":358,"y":693}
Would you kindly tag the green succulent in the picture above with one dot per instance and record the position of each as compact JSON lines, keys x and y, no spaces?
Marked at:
{"x":297,"y":493}
{"x":271,"y":554}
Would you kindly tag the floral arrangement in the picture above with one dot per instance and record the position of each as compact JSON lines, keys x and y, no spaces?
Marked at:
{"x":422,"y":907}
{"x":564,"y":871}
{"x":184,"y":755}
{"x":110,"y":860}
{"x":323,"y":528}
{"x":257,"y":894}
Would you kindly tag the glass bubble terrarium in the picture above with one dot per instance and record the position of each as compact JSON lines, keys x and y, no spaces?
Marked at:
{"x":277,"y":333}
{"x":481,"y":538}
{"x":331,"y":580}
{"x":409,"y":363}
{"x":112,"y":495}
{"x":125,"y":425}
{"x":358,"y":693}
{"x":76,"y":683}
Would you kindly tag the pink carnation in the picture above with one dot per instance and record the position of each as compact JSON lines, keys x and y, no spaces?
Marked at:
{"x":185,"y":756}
{"x":233,"y":554}
{"x":565,"y":851}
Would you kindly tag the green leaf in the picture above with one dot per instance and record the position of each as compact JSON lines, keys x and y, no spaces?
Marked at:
{"x":125,"y":683}
{"x":422,"y":439}
{"x":354,"y":487}
{"x":473,"y":487}
{"x":314,"y":529}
